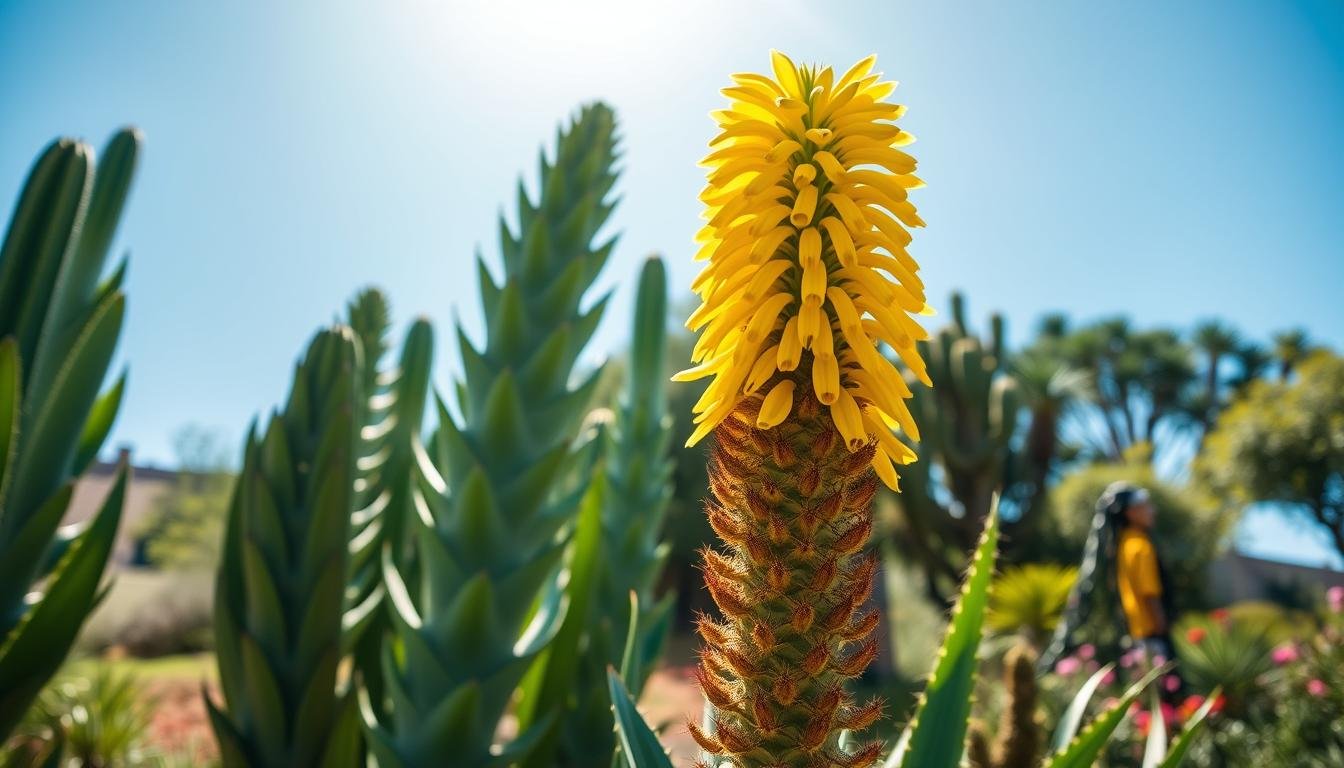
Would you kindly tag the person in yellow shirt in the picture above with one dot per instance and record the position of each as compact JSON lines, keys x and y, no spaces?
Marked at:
{"x":1139,"y":579}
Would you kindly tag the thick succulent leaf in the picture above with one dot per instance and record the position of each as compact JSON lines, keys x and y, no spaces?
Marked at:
{"x":76,"y":285}
{"x":232,"y":752}
{"x":550,"y":691}
{"x":98,"y":425}
{"x":21,"y":559}
{"x":10,"y":402}
{"x":639,"y":746}
{"x":38,"y":239}
{"x":280,"y":588}
{"x":937,"y":734}
{"x":1084,"y":750}
{"x":50,"y":433}
{"x":33,"y":651}
{"x":1186,"y":737}
{"x":1155,"y":748}
{"x":1072,"y":718}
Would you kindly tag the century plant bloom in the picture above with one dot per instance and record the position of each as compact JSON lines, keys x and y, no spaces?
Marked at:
{"x":806,"y":241}
{"x":808,"y":286}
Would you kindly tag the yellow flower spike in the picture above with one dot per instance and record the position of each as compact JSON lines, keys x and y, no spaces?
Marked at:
{"x":849,"y":420}
{"x":766,"y":247}
{"x":826,"y":377}
{"x":809,"y":247}
{"x":804,"y":174}
{"x":764,"y":278}
{"x":802,"y":288}
{"x":809,"y":324}
{"x":783,"y":150}
{"x":804,"y":207}
{"x":790,"y":349}
{"x":763,"y":322}
{"x":819,"y":136}
{"x":840,"y":241}
{"x":814,"y":283}
{"x":763,"y":369}
{"x":776,"y":406}
{"x":830,"y":166}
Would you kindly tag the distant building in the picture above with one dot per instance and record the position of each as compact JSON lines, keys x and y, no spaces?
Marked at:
{"x":147,"y":486}
{"x":1235,"y":577}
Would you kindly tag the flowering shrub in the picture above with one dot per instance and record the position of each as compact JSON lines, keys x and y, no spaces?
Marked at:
{"x":1282,"y":682}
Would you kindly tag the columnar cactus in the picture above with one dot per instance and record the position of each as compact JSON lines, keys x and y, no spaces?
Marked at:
{"x":969,"y":419}
{"x":808,"y":274}
{"x":636,"y":486}
{"x":490,"y":507}
{"x":394,"y":406}
{"x":1018,"y":742}
{"x":639,"y":480}
{"x":59,"y":325}
{"x":280,"y":587}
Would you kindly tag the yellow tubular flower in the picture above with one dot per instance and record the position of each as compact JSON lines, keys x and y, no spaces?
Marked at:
{"x":807,"y":281}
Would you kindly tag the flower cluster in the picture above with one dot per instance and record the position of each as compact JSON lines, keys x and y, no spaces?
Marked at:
{"x":807,"y":271}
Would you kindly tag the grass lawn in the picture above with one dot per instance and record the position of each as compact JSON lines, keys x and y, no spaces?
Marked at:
{"x":183,"y":668}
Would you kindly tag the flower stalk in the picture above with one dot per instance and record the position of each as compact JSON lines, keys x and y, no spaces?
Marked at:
{"x":808,"y":283}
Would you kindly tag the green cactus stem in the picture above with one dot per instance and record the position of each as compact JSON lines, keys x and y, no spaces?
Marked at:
{"x":280,"y":587}
{"x":493,"y":500}
{"x":60,"y":320}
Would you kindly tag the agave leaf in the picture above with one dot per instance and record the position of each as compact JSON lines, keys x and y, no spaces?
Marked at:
{"x":1155,"y":748}
{"x":35,"y":648}
{"x":98,"y":425}
{"x":77,"y":281}
{"x":1193,"y":726}
{"x":1084,"y":750}
{"x":1073,"y":715}
{"x":50,"y":439}
{"x":554,"y":686}
{"x":10,"y":401}
{"x":936,"y":736}
{"x":639,"y":745}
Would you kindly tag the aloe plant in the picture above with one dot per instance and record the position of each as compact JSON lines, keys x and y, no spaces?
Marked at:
{"x":280,"y":587}
{"x":634,"y":489}
{"x":493,"y":503}
{"x":394,"y":405}
{"x":59,"y":325}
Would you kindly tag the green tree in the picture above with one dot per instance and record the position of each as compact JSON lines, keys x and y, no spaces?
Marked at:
{"x":1283,"y":442}
{"x":1290,"y":348}
{"x":187,"y":525}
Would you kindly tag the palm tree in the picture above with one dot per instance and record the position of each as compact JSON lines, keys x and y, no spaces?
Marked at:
{"x":1216,"y":341}
{"x":1048,"y":386}
{"x":1252,"y":361}
{"x":1290,"y":347}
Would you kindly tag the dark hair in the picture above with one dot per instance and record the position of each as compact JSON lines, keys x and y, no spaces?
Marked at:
{"x":1117,"y":499}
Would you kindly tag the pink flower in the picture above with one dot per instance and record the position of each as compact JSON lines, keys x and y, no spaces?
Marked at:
{"x":1335,"y":597}
{"x":1316,"y":687}
{"x":1172,"y":683}
{"x":1284,"y":654}
{"x":1169,"y":714}
{"x":1108,"y":678}
{"x":1143,"y":719}
{"x":1086,"y":651}
{"x":1068,"y":666}
{"x":1131,"y":658}
{"x":1092,"y":666}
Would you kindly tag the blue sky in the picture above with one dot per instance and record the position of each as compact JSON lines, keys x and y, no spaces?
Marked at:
{"x":1168,"y":161}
